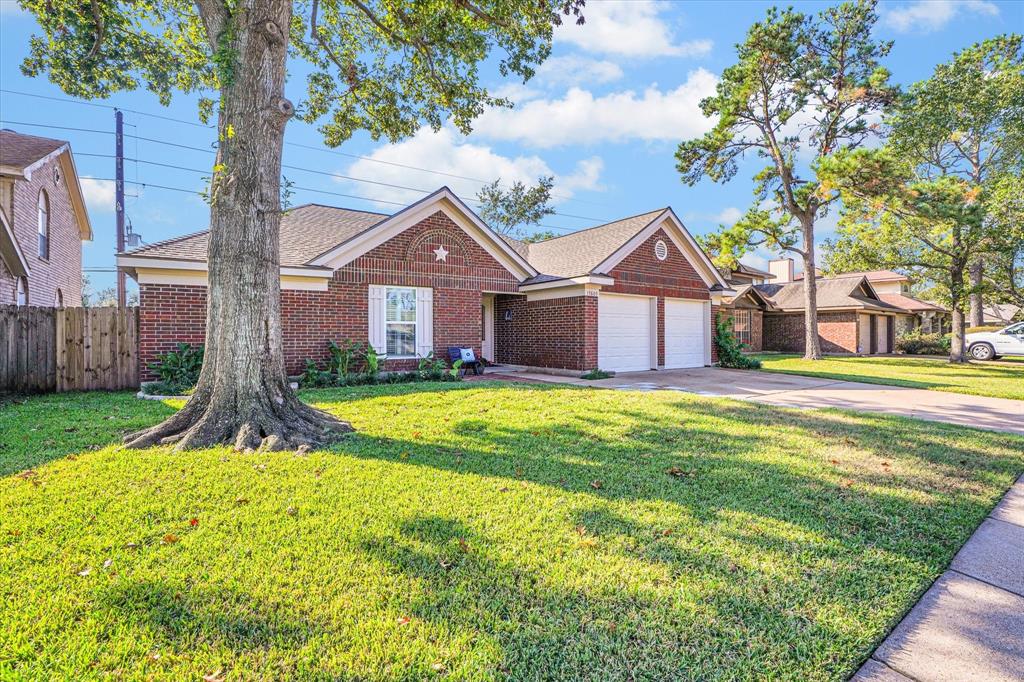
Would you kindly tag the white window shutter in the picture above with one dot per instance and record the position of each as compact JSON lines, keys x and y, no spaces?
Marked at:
{"x":424,"y":322}
{"x":376,"y":334}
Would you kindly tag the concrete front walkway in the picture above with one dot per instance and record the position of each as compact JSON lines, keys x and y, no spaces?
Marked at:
{"x":787,"y":390}
{"x":970,"y":624}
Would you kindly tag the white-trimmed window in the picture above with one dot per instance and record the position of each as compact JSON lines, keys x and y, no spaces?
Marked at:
{"x":741,"y":325}
{"x":43,"y":224}
{"x":401,"y":321}
{"x":22,"y":291}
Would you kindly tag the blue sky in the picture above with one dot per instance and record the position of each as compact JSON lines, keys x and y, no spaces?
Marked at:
{"x":604,"y":116}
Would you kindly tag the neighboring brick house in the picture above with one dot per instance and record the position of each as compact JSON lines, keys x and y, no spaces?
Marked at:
{"x":631,"y":295}
{"x":43,"y":220}
{"x":852,"y":315}
{"x":746,"y":305}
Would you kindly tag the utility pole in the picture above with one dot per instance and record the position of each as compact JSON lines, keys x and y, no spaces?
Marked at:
{"x":119,"y":197}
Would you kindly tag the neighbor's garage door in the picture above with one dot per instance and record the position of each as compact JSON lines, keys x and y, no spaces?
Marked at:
{"x":685,"y":333}
{"x":623,"y":333}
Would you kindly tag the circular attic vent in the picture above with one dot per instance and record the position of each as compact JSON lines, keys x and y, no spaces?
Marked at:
{"x":660,"y":250}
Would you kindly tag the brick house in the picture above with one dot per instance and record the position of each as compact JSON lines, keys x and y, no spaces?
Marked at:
{"x":853,"y":315}
{"x":635,"y":294}
{"x":746,"y":305}
{"x":43,"y":220}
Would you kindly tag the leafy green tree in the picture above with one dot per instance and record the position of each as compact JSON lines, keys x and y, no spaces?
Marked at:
{"x":510,"y":211}
{"x":1005,"y":211}
{"x":937,"y":197}
{"x":803,"y":87}
{"x":541,"y":236}
{"x":381,"y":66}
{"x":967,"y":120}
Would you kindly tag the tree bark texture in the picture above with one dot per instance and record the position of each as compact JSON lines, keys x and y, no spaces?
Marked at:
{"x":812,"y":342}
{"x":977,"y":308}
{"x":243,"y":397}
{"x":956,"y":347}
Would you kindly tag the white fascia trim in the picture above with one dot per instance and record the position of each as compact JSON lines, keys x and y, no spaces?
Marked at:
{"x":27,"y":170}
{"x":172,"y":264}
{"x":603,"y":280}
{"x":442,"y":200}
{"x":680,"y":237}
{"x":571,"y":291}
{"x":15,"y":247}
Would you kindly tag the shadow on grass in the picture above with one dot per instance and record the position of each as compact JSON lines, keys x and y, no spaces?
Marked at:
{"x":189,"y":615}
{"x":35,"y":430}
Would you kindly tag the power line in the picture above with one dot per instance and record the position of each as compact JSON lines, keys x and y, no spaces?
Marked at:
{"x":290,"y":144}
{"x":331,"y":175}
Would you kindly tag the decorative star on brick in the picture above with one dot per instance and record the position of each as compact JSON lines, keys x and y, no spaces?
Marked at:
{"x":441,"y":254}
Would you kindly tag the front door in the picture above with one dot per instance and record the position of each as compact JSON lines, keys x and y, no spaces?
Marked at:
{"x":487,"y":328}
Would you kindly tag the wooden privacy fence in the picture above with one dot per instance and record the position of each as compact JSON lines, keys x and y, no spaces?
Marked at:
{"x":68,"y":349}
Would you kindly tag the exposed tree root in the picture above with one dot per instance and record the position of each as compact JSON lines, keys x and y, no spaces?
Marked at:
{"x":268,"y":425}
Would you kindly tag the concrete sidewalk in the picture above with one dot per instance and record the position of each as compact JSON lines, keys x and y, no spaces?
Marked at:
{"x":787,"y":390}
{"x":970,"y":624}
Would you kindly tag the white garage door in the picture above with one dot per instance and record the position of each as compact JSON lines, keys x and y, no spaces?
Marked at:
{"x":685,"y":333}
{"x":623,"y":333}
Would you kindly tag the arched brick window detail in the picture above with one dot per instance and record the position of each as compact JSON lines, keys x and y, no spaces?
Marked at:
{"x":43,"y":224}
{"x":21,"y":294}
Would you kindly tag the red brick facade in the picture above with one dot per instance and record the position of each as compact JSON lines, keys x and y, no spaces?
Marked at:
{"x":63,"y":269}
{"x":552,"y":332}
{"x":557,"y":332}
{"x":756,"y":343}
{"x":837,"y":331}
{"x":309,"y":319}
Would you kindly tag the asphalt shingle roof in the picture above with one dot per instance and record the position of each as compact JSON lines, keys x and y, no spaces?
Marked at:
{"x":21,"y":151}
{"x":840,"y":292}
{"x":312,"y":230}
{"x":306,"y":232}
{"x":577,"y":254}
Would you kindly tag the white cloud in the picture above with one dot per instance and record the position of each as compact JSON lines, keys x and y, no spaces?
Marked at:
{"x":925,"y":16}
{"x":99,"y":195}
{"x":629,"y":28}
{"x":575,"y":70}
{"x":447,"y":152}
{"x":581,"y":118}
{"x":729,"y":215}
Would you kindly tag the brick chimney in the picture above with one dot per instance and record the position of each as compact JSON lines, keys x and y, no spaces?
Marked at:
{"x":782,"y":268}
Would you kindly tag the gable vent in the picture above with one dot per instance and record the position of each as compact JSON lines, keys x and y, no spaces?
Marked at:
{"x":660,"y":250}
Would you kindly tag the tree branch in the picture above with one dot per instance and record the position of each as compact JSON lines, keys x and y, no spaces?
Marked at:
{"x":100,"y":29}
{"x":214,"y":15}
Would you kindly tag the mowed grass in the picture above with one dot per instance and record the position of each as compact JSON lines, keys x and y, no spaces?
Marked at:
{"x":480,"y":532}
{"x":996,"y":380}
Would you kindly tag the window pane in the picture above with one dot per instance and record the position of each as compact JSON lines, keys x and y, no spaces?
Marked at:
{"x":401,"y":305}
{"x":401,"y":339}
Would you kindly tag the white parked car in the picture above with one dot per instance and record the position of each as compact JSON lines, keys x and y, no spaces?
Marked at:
{"x":989,"y":345}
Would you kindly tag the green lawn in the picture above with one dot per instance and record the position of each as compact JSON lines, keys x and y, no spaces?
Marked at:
{"x":478,"y":532}
{"x":976,"y":378}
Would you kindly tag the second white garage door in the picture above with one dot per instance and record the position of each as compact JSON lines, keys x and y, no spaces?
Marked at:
{"x":685,"y":333}
{"x":623,"y":333}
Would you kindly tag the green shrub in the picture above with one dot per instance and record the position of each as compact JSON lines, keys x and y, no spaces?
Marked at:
{"x":730,"y":350}
{"x":178,"y":369}
{"x":915,"y":342}
{"x":355,"y":364}
{"x":596,"y":374}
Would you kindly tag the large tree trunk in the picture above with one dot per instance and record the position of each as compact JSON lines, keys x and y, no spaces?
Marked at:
{"x":957,"y":351}
{"x":812,"y":343}
{"x":977,"y":309}
{"x":243,"y":397}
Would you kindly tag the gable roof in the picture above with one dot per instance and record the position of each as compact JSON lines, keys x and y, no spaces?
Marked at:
{"x":909,"y":303}
{"x":21,"y":154}
{"x":578,"y":253}
{"x":872,"y":275}
{"x":306,"y":232}
{"x":834,"y":293}
{"x":320,"y":237}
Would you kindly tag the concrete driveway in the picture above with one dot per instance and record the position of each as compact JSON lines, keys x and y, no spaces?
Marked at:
{"x":786,"y":390}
